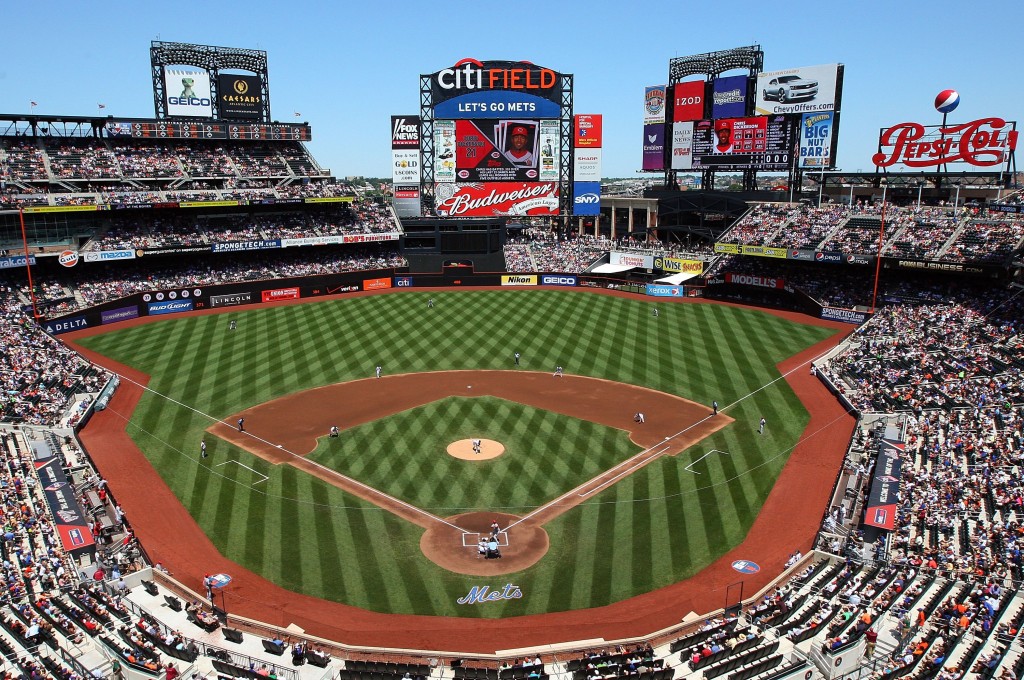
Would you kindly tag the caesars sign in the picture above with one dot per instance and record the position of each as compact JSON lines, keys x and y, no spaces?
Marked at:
{"x":240,"y":96}
{"x":983,"y":142}
{"x":495,"y":89}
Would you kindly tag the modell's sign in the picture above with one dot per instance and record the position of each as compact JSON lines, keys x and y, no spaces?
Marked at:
{"x":982,"y":142}
{"x":486,"y":199}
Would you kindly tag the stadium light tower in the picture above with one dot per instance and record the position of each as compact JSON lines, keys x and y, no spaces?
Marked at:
{"x":878,"y":255}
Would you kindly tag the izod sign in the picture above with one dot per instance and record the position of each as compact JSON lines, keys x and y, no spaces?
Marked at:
{"x":68,"y":258}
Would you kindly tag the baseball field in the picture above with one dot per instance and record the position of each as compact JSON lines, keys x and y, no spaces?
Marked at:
{"x":345,"y":518}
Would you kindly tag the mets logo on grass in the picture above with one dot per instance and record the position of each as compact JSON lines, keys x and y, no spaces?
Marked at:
{"x":478,"y":594}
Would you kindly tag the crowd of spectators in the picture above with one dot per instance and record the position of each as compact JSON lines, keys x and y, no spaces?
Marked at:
{"x":540,"y":250}
{"x":760,"y":224}
{"x":38,"y":375}
{"x":986,"y":240}
{"x":187,"y":229}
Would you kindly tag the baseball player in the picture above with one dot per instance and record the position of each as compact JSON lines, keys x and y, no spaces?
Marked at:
{"x":714,"y":408}
{"x":476,"y":446}
{"x":760,"y":430}
{"x":202,"y":448}
{"x":430,"y":303}
{"x":241,"y":424}
{"x":517,"y":358}
{"x":233,"y":325}
{"x":655,"y":312}
{"x":378,"y":371}
{"x":558,"y":372}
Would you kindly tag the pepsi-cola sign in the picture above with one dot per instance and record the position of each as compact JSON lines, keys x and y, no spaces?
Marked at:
{"x":983,"y":143}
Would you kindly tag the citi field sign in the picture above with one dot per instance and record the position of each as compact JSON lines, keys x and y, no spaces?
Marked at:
{"x":493,"y":89}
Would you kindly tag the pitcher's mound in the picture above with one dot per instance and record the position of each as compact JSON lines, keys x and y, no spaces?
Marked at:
{"x":463,"y":449}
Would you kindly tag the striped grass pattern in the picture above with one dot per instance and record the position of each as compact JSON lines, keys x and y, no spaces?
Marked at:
{"x":653,"y":528}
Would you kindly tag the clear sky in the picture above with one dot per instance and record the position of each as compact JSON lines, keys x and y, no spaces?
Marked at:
{"x":348,"y":66}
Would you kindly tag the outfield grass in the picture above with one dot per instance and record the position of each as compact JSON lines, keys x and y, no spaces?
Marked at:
{"x":653,"y":528}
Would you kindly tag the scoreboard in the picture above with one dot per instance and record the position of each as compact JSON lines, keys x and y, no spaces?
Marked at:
{"x":161,"y":129}
{"x":760,"y":143}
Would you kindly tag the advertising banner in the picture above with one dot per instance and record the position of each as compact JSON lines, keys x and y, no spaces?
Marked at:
{"x":405,"y":166}
{"x":550,"y":146}
{"x":883,"y":497}
{"x":983,"y":143}
{"x":587,"y":165}
{"x":844,"y":315}
{"x":169,"y":307}
{"x":405,"y":132}
{"x":729,"y":97}
{"x":732,"y":248}
{"x":588,"y":129}
{"x":631,"y":260}
{"x":119,"y":314}
{"x":675,"y":265}
{"x":558,"y":280}
{"x":187,"y":90}
{"x":761,"y":143}
{"x":371,"y":238}
{"x":756,"y":281}
{"x":16,"y":261}
{"x":654,"y":105}
{"x":65,"y":325}
{"x":407,"y":201}
{"x":763,"y":251}
{"x":489,"y":150}
{"x":280,"y":294}
{"x":312,"y":241}
{"x":70,"y":521}
{"x":654,"y":147}
{"x":489,"y":89}
{"x":239,"y":96}
{"x":231,"y":299}
{"x":807,"y":89}
{"x":661,"y":290}
{"x":682,"y":146}
{"x":444,"y":150}
{"x":816,"y":140}
{"x":108,"y":255}
{"x":487,"y":199}
{"x":688,"y":101}
{"x":586,"y":198}
{"x":376,"y":284}
{"x":519,"y":280}
{"x":239,"y":246}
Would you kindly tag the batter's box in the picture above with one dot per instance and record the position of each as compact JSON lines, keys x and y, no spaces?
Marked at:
{"x":689,"y":467}
{"x":472,"y":539}
{"x":258,"y":481}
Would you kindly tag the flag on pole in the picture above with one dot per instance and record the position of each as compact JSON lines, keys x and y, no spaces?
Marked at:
{"x":102,"y":106}
{"x":33,"y":104}
{"x":298,"y":115}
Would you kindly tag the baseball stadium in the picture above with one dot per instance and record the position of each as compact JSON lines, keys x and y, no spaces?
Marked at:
{"x":497,"y":418}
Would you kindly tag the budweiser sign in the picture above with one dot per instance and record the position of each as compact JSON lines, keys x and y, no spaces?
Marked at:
{"x":486,"y":199}
{"x":982,"y":142}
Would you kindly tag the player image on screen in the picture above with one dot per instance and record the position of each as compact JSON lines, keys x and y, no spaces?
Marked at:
{"x":519,"y":150}
{"x":723,"y":135}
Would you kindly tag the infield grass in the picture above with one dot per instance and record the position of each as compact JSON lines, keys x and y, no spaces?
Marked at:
{"x":657,"y":526}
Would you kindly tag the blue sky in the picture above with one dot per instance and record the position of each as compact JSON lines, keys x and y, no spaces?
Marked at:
{"x":347,"y":67}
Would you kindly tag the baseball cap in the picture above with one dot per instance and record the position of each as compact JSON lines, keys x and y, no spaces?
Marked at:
{"x":722,"y":125}
{"x":519,"y":130}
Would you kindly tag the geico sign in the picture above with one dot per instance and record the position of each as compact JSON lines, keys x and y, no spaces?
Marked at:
{"x":188,"y":101}
{"x":469,"y":74}
{"x":587,"y":198}
{"x":558,"y":280}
